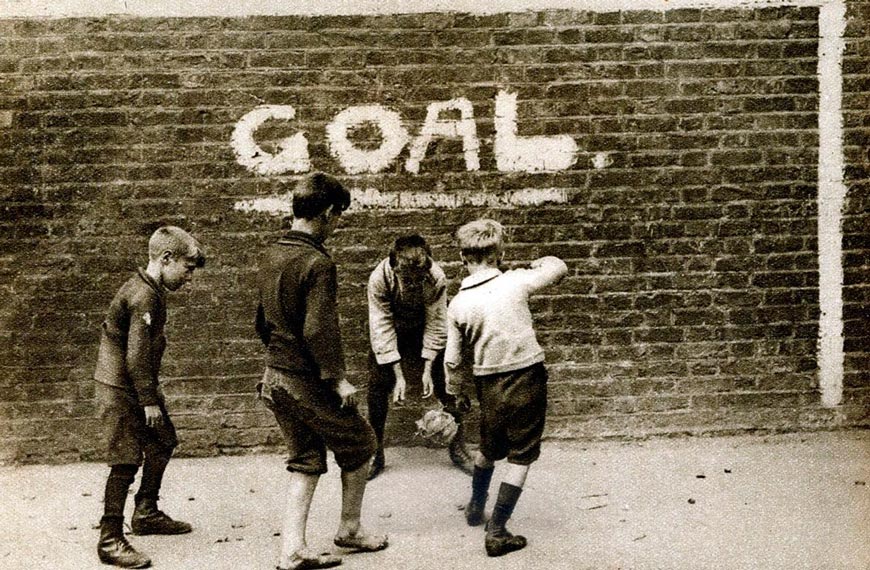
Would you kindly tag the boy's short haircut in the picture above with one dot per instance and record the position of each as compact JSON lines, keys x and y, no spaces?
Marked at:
{"x":481,"y":240}
{"x":177,"y":242}
{"x":316,"y":193}
{"x":410,"y":251}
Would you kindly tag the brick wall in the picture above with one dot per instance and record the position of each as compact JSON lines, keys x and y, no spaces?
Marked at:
{"x":856,"y":219}
{"x":688,"y":219}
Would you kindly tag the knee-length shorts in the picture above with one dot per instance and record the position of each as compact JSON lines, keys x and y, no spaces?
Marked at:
{"x":513,"y":409}
{"x":312,"y":420}
{"x":126,"y":435}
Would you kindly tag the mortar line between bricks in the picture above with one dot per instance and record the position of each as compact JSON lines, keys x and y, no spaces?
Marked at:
{"x":426,"y":67}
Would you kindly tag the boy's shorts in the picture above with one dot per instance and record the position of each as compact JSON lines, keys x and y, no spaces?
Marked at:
{"x":312,"y":420}
{"x":126,"y":435}
{"x":513,"y":408}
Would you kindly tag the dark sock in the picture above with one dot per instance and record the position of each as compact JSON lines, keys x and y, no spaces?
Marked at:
{"x":152,"y":477}
{"x":117,"y":486}
{"x":508,"y":495}
{"x":480,"y":484}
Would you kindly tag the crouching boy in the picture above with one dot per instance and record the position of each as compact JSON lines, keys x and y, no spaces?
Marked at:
{"x":407,"y":294}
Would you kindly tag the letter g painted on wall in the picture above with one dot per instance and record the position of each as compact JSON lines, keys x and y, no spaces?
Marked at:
{"x":292,"y":155}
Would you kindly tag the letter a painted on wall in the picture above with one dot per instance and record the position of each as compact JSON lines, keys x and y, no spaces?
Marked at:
{"x":435,"y":126}
{"x":293,"y":153}
{"x":527,"y":154}
{"x":355,"y":160}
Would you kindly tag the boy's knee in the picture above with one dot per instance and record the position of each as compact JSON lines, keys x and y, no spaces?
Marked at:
{"x":480,"y":460}
{"x":358,"y":455}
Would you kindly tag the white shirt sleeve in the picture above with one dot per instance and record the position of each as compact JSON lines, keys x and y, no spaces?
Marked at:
{"x":542,"y":272}
{"x":382,"y":330}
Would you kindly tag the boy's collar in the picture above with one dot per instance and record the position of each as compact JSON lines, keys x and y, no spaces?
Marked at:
{"x":146,"y":277}
{"x":295,"y":236}
{"x":480,"y":277}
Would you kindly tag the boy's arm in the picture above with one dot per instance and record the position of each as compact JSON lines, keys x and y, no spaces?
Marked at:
{"x":320,"y":331}
{"x":382,"y":330}
{"x":141,"y":359}
{"x":457,"y":365}
{"x":435,"y":331}
{"x":545,"y":271}
{"x":262,"y":325}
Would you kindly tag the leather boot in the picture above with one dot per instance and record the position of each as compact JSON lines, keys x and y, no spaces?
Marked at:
{"x":148,"y":519}
{"x":459,"y":454}
{"x":377,"y":466}
{"x":114,"y":549}
{"x":500,"y":541}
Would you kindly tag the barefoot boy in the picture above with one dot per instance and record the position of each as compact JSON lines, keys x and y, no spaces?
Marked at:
{"x":304,"y":383}
{"x":490,"y":335}
{"x":132,"y":406}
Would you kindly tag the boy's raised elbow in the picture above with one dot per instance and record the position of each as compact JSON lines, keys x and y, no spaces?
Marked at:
{"x":559,"y":266}
{"x":554,"y":266}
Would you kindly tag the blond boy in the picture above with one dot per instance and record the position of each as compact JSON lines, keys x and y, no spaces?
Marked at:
{"x":491,"y":341}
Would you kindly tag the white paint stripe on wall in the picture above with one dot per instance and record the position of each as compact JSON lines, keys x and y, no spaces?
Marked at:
{"x":188,"y":8}
{"x":369,"y":198}
{"x":831,"y":196}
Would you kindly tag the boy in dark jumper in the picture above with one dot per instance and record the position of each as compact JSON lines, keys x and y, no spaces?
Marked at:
{"x":133,"y":410}
{"x":491,"y":342}
{"x":304,"y":384}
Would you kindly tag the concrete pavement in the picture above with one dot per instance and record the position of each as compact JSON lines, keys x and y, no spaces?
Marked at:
{"x":791,"y":502}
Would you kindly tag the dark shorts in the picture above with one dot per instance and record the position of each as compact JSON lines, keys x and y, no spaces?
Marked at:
{"x":126,"y":435}
{"x":312,"y":420}
{"x":513,"y":408}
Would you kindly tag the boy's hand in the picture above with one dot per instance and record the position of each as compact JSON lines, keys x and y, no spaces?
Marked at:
{"x":401,"y":385}
{"x":347,"y":392}
{"x":153,"y":416}
{"x":460,"y":404}
{"x":428,"y":385}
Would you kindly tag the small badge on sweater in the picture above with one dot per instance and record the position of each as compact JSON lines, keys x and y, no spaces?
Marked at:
{"x":147,"y":318}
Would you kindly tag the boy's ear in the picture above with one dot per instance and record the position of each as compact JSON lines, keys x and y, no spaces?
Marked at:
{"x":166,"y":256}
{"x":324,"y":215}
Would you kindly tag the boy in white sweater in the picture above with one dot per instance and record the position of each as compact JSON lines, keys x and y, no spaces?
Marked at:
{"x":491,"y":339}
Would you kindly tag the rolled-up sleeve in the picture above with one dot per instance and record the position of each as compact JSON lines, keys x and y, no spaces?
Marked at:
{"x":457,"y":364}
{"x":435,"y":332}
{"x":382,"y":329}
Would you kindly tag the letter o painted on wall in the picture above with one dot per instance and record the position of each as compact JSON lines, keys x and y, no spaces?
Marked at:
{"x":355,"y":160}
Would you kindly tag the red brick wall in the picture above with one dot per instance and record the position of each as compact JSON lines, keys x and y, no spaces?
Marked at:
{"x":692,"y":303}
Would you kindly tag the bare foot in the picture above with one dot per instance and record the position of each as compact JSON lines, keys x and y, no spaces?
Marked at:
{"x":361,"y":541}
{"x":305,"y":560}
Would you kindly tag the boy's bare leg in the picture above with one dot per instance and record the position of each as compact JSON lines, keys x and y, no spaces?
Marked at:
{"x":300,"y":492}
{"x":516,"y":474}
{"x":350,"y":532}
{"x":481,"y":461}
